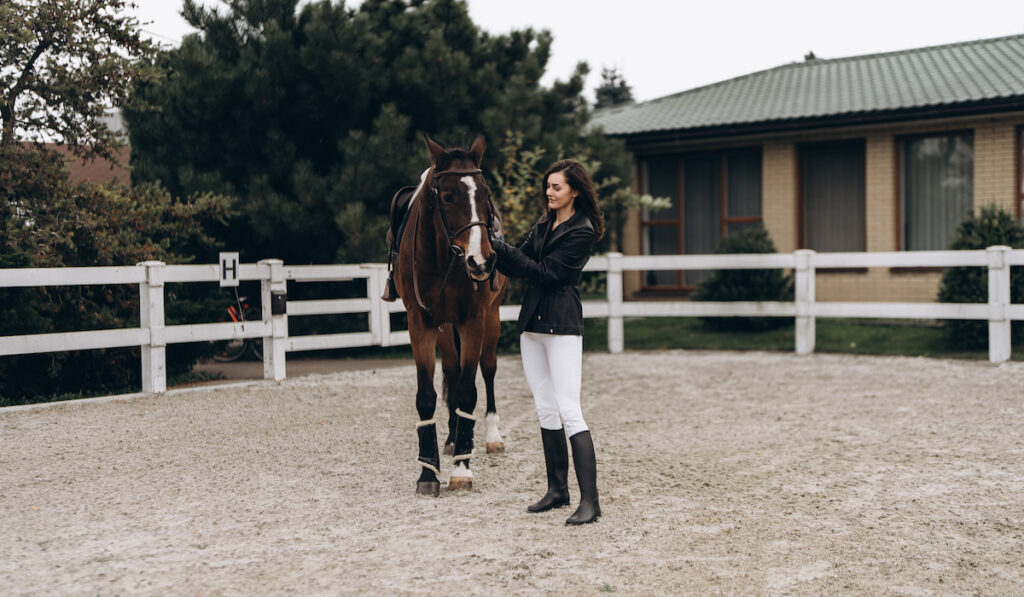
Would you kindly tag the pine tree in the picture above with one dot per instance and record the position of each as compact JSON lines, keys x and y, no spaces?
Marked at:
{"x":302,"y":112}
{"x":613,"y":90}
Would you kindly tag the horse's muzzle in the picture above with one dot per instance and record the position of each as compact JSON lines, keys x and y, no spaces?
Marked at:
{"x":481,"y":271}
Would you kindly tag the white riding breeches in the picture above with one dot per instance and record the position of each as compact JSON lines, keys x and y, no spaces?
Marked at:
{"x":553,"y":366}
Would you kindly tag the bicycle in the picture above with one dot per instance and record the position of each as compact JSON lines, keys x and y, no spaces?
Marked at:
{"x":226,"y":351}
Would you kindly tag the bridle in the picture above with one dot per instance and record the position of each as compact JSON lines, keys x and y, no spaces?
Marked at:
{"x":453,"y":249}
{"x":435,"y":192}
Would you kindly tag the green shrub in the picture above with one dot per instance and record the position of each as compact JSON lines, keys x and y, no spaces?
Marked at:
{"x":989,"y":227}
{"x":746,"y":285}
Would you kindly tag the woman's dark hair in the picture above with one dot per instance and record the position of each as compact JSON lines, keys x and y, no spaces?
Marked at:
{"x":586,"y":197}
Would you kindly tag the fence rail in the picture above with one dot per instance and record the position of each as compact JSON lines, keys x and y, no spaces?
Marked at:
{"x":152,"y":335}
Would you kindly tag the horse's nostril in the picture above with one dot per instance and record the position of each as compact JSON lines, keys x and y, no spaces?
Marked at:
{"x":471,"y":262}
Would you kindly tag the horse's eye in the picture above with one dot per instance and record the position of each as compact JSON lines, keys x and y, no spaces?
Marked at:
{"x":447,"y":197}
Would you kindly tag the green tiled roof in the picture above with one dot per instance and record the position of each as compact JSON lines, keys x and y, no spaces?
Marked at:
{"x":961,"y":74}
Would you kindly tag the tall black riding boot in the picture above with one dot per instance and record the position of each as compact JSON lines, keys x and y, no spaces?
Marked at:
{"x":556,"y":457}
{"x":585,"y":461}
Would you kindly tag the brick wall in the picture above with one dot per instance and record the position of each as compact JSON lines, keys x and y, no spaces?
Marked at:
{"x":881,"y":199}
{"x":878,"y":285}
{"x":994,"y":163}
{"x":779,"y":194}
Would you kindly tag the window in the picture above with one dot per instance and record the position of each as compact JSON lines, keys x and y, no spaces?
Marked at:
{"x":1020,"y":172}
{"x":661,"y":226}
{"x":937,"y":188}
{"x":832,"y":196}
{"x":713,"y":194}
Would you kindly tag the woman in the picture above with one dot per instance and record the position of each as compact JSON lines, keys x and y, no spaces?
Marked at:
{"x":551,"y":260}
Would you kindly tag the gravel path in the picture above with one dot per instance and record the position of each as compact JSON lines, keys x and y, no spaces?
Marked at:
{"x":719,"y":472}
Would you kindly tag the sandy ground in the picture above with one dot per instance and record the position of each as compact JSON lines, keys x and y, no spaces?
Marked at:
{"x":296,"y":367}
{"x":746,"y":473}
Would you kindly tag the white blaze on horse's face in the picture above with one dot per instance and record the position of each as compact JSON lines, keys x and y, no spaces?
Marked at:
{"x":475,"y":249}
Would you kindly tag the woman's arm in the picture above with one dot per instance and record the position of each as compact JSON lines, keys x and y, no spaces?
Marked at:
{"x":558,"y":268}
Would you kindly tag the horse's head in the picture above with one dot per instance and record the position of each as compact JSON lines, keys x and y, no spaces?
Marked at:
{"x":456,"y":187}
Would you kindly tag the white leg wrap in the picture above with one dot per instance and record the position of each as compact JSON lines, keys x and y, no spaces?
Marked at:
{"x":492,"y":428}
{"x":461,"y":470}
{"x":464,"y":415}
{"x":461,"y":457}
{"x":425,"y":423}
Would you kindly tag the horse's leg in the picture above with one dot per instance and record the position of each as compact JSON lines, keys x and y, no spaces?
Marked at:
{"x":470,"y":342}
{"x":489,"y":365}
{"x":447,"y":344}
{"x":424,"y":341}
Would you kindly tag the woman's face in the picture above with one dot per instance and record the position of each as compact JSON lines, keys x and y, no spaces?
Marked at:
{"x":560,"y":194}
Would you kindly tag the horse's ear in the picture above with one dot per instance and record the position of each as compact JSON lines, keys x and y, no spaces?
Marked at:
{"x":436,"y":151}
{"x":478,"y":148}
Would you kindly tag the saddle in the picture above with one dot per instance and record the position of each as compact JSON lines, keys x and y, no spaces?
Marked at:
{"x":399,"y":216}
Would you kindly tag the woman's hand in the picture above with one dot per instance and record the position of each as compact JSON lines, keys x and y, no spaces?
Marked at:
{"x":498,"y":244}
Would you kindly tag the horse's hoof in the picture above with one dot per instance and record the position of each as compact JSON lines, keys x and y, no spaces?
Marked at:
{"x":449,"y":449}
{"x":495,"y":447}
{"x":459,"y":483}
{"x":431,"y":488}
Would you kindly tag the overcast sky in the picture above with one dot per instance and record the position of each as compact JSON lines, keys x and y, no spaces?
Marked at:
{"x":665,"y":46}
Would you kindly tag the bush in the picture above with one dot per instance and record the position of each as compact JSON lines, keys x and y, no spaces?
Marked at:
{"x":989,"y":227}
{"x":746,"y":285}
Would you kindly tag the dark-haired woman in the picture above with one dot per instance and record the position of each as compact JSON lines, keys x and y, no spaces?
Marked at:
{"x":551,"y":260}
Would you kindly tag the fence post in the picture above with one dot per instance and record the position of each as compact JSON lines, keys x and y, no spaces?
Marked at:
{"x":380,"y":314}
{"x":274,"y":344}
{"x":151,"y":316}
{"x":998,"y":301}
{"x":805,"y":333}
{"x":616,"y":338}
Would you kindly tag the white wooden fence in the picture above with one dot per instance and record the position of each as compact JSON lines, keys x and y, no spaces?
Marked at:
{"x":153,"y":335}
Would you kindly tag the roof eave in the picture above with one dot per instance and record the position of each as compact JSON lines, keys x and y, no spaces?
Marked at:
{"x":661,"y":137}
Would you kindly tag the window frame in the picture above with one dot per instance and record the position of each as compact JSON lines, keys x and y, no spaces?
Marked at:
{"x":1018,"y":169}
{"x":801,"y":203}
{"x":901,"y":208}
{"x":679,"y":221}
{"x":646,"y":223}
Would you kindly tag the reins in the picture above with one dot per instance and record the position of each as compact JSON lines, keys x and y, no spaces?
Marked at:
{"x":453,"y":249}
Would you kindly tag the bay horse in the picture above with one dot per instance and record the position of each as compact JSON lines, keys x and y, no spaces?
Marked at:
{"x":445,"y":274}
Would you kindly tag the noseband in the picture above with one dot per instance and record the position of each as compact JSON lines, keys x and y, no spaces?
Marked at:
{"x":456,"y":251}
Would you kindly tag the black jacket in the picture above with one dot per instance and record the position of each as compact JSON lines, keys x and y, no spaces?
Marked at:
{"x":551,"y":262}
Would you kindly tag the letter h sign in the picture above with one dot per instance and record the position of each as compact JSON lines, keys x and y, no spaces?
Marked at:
{"x":229,"y":269}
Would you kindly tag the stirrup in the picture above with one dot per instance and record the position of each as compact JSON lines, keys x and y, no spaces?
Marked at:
{"x":390,"y":291}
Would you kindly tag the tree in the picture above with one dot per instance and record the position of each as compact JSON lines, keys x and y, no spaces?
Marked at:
{"x":613,"y":90}
{"x":305,"y":112}
{"x":63,"y":63}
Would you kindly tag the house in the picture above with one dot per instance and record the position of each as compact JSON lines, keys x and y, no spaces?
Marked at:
{"x":883,"y":152}
{"x":96,"y":170}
